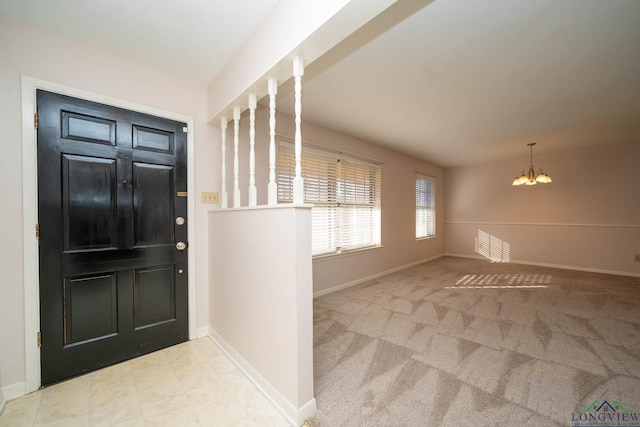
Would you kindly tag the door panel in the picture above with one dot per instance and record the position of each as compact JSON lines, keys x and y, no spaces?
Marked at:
{"x":88,"y":129}
{"x":90,"y":308}
{"x":88,"y":211}
{"x":154,"y":301}
{"x":152,"y":139}
{"x":153,"y":197}
{"x":113,"y":285}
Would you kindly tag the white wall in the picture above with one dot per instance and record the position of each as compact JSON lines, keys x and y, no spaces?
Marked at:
{"x":399,"y":246}
{"x":41,"y":55}
{"x":587,"y":218}
{"x":261,"y":299}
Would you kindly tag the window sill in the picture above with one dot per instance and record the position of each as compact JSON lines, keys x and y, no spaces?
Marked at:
{"x":425,"y":238}
{"x":332,"y":256}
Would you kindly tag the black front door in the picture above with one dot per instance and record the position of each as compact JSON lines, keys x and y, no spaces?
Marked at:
{"x":112,"y":210}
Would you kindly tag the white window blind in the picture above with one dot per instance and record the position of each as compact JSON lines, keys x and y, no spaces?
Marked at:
{"x":345,"y":193}
{"x":425,"y":207}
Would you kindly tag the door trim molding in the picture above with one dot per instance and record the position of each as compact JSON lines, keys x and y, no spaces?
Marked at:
{"x":30,"y":209}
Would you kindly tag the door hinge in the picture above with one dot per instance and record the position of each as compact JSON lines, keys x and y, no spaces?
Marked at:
{"x":185,"y":129}
{"x":39,"y":339}
{"x":35,"y":120}
{"x":37,"y":231}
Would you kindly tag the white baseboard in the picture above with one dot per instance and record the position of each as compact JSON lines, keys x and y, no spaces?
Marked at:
{"x":202,"y":332}
{"x":543,"y":264}
{"x":373,"y":276}
{"x":13,"y":391}
{"x":307,"y":411}
{"x":294,"y":416}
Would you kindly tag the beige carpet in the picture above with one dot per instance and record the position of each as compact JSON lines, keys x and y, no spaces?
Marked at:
{"x":461,"y":342}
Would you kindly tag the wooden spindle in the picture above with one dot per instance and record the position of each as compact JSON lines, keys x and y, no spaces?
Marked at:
{"x":236,"y":139}
{"x":253,"y":194}
{"x":298,"y":183}
{"x":223,"y":138}
{"x":273,"y":186}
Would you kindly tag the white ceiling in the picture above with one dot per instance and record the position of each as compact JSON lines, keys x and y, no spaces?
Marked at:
{"x":188,"y":38}
{"x":452,"y":81}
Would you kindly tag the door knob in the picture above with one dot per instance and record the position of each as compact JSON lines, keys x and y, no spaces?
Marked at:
{"x":179,"y":220}
{"x":181,"y":246}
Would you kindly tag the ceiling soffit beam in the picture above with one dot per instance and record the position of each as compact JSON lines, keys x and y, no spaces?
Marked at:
{"x":293,"y":28}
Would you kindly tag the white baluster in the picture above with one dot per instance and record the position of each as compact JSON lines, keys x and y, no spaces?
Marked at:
{"x":253,"y":193}
{"x":298,"y":183}
{"x":236,"y":132}
{"x":223,"y":137}
{"x":273,"y":186}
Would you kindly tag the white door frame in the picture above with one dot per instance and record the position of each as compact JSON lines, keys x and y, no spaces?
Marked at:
{"x":30,"y":210}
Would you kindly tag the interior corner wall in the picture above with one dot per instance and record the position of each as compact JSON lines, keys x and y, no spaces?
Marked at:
{"x":45,"y":56}
{"x":399,"y":245}
{"x":588,"y":218}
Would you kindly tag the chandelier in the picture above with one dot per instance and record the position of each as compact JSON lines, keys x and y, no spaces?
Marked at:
{"x":530,"y":177}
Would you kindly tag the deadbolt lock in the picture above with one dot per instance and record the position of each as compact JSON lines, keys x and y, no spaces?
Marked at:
{"x":181,"y":246}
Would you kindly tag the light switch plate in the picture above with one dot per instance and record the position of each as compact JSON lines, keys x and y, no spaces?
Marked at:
{"x":209,"y":197}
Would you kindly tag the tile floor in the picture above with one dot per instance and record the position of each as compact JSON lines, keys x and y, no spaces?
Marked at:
{"x":190,"y":384}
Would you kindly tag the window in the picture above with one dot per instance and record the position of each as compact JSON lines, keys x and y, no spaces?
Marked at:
{"x":345,"y":192}
{"x":425,"y":207}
